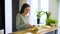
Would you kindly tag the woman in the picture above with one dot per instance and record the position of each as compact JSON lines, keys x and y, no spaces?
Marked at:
{"x":22,"y":19}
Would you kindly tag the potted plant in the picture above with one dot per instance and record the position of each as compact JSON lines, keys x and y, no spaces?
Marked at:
{"x":39,"y":13}
{"x":49,"y":21}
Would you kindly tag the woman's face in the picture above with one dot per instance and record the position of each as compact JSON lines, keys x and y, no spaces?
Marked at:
{"x":27,"y":10}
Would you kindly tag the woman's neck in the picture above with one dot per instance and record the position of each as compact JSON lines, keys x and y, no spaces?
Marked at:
{"x":23,"y":14}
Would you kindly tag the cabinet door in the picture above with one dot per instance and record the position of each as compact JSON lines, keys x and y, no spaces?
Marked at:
{"x":2,"y":15}
{"x":52,"y":32}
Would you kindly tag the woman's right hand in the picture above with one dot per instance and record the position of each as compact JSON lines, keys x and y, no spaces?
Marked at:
{"x":28,"y":24}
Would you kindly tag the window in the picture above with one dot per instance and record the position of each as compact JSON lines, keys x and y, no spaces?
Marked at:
{"x":37,"y":5}
{"x":34,"y":7}
{"x":44,"y":7}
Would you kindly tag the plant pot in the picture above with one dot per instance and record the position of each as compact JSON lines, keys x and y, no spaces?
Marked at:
{"x":52,"y":25}
{"x":48,"y":22}
{"x":38,"y":22}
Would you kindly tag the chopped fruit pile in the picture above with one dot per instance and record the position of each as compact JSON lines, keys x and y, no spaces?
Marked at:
{"x":33,"y":29}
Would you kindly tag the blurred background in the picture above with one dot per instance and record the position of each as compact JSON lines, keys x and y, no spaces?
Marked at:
{"x":45,"y":5}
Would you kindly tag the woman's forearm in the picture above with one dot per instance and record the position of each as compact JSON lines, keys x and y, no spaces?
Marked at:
{"x":21,"y":26}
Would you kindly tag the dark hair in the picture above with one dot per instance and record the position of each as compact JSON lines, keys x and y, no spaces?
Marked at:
{"x":23,"y":7}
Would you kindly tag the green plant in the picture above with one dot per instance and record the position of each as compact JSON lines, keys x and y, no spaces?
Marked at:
{"x":48,"y":14}
{"x":49,"y":20}
{"x":39,"y":13}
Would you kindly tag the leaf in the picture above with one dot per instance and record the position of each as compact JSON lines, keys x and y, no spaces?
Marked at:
{"x":39,"y":13}
{"x":48,"y":14}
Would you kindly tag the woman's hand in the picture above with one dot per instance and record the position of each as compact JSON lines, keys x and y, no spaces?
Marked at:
{"x":29,"y":25}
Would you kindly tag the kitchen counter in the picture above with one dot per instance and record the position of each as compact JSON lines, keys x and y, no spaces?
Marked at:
{"x":41,"y":30}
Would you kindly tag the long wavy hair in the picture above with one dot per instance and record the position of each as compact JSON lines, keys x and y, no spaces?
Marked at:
{"x":23,"y":7}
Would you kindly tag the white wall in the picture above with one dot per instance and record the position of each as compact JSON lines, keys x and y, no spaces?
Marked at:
{"x":53,"y":7}
{"x":59,"y":15}
{"x":8,"y":16}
